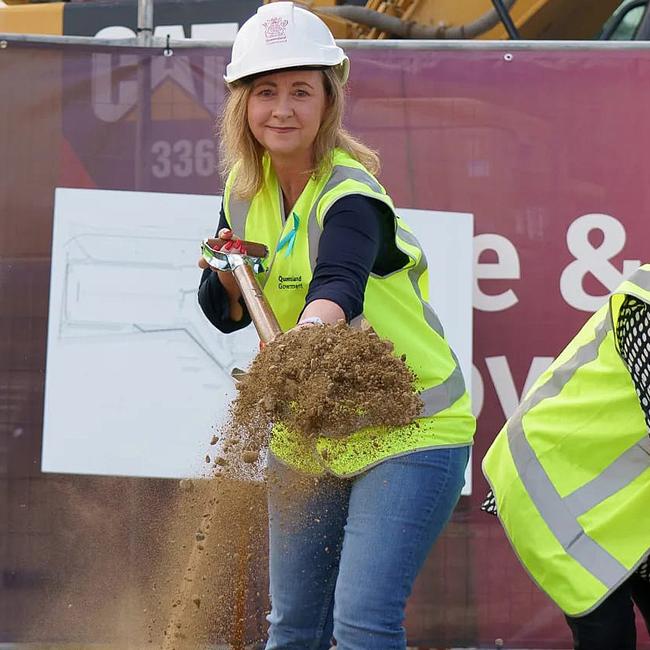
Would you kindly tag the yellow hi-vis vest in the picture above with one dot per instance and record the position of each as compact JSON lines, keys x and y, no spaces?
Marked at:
{"x":395,"y":305}
{"x":570,"y":470}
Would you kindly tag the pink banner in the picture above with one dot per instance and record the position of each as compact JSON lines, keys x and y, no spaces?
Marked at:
{"x":546,"y":147}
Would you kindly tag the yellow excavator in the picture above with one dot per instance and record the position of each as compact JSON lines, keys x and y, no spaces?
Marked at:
{"x":451,"y":19}
{"x":402,"y":19}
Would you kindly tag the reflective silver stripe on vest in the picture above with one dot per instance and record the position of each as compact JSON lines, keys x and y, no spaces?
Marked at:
{"x":414,"y":274}
{"x":339,"y":174}
{"x":238,"y":211}
{"x":627,"y":467}
{"x":551,"y":506}
{"x":443,"y":395}
{"x":439,"y":397}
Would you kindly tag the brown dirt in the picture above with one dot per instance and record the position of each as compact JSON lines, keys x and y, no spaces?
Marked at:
{"x":326,"y":380}
{"x":220,"y":566}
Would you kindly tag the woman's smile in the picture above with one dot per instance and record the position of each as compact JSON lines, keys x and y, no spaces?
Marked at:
{"x":282,"y":129}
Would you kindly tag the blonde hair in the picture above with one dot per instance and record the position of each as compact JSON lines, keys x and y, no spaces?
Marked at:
{"x":238,"y":147}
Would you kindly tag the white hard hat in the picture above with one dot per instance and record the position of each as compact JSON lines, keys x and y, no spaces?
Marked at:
{"x":281,"y":35}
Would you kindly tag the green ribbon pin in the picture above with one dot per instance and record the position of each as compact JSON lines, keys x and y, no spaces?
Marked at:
{"x":289,"y":239}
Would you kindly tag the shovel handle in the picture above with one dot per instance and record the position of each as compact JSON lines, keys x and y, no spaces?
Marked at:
{"x":253,"y":249}
{"x":259,"y":309}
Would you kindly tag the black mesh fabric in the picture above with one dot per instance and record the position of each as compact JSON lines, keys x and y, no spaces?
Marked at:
{"x":633,"y":338}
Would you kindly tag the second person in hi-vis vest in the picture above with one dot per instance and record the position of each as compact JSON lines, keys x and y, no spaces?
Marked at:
{"x":570,"y":473}
{"x":302,"y":185}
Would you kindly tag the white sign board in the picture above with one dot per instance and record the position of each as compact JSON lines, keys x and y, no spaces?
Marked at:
{"x":136,"y":376}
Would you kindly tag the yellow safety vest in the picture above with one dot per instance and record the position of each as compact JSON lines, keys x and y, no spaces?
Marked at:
{"x":395,"y":305}
{"x":570,"y":470}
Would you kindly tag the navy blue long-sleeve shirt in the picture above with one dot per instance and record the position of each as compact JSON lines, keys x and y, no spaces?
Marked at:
{"x":358,"y":238}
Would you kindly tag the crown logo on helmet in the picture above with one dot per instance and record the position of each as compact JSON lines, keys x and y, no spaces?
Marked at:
{"x":275,"y":30}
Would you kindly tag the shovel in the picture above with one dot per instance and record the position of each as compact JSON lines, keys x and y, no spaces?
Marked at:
{"x":244,"y":266}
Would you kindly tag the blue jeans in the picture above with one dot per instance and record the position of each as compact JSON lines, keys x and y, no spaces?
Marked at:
{"x":344,"y":556}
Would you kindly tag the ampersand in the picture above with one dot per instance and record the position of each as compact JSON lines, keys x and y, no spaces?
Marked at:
{"x":593,"y":260}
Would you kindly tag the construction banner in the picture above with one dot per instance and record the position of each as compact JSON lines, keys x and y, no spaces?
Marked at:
{"x":545,"y":147}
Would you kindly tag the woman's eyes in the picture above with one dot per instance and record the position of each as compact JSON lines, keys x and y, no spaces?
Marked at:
{"x":269,"y":92}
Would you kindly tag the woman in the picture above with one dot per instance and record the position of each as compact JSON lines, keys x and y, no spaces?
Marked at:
{"x":343,"y":564}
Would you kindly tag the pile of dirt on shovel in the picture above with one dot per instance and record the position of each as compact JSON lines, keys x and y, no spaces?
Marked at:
{"x":327,"y":380}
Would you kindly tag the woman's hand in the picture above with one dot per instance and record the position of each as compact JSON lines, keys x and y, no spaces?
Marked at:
{"x":226,"y":278}
{"x":319,"y":312}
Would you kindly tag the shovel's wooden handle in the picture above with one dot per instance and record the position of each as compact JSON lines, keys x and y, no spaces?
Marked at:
{"x":261,"y":313}
{"x":253,"y":249}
